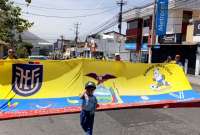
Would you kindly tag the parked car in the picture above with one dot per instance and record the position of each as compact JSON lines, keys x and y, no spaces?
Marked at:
{"x":38,"y":57}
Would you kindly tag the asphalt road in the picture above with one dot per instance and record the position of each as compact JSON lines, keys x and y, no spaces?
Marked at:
{"x":119,"y":122}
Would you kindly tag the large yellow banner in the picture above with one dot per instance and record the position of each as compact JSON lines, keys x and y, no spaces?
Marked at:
{"x":51,"y":87}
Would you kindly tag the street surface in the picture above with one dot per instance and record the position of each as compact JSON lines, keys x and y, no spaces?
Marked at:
{"x":118,"y":122}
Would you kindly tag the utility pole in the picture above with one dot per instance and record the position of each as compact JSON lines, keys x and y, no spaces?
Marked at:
{"x":121,"y":3}
{"x":152,"y":32}
{"x":76,"y":37}
{"x":62,"y":44}
{"x":76,"y":32}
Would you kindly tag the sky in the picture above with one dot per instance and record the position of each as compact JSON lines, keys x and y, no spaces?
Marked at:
{"x":51,"y":29}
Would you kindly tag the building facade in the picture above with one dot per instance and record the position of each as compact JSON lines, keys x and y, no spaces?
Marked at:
{"x":180,"y":13}
{"x":110,"y":43}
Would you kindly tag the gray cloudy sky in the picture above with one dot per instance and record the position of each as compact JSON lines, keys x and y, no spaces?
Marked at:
{"x":51,"y":28}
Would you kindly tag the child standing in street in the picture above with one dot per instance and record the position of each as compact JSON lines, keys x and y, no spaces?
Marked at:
{"x":88,"y":108}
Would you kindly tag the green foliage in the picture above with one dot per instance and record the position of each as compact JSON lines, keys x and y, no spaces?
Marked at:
{"x":21,"y":52}
{"x":24,"y":49}
{"x":11,"y":21}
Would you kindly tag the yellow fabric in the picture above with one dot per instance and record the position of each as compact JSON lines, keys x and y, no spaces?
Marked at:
{"x":67,"y":78}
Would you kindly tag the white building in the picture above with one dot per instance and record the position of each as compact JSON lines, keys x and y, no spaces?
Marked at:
{"x":110,"y":43}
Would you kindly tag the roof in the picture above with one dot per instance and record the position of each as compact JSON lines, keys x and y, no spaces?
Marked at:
{"x":114,"y":32}
{"x":135,"y":8}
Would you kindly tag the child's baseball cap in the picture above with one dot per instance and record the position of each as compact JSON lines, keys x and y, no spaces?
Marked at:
{"x":90,"y":85}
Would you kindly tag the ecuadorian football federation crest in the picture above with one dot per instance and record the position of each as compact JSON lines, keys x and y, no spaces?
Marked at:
{"x":27,"y":79}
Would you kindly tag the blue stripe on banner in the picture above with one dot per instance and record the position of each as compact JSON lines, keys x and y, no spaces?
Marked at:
{"x":56,"y":103}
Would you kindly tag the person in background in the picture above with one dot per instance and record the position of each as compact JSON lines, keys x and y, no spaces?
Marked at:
{"x":169,"y":59}
{"x":117,"y":57}
{"x":177,"y":60}
{"x":11,"y":55}
{"x":88,"y":108}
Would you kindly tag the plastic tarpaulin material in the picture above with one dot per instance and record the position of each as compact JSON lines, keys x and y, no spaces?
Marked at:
{"x":53,"y":87}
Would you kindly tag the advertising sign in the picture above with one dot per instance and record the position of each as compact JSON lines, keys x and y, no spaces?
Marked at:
{"x":161,"y":17}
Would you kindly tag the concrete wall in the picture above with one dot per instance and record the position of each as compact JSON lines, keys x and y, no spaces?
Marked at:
{"x":190,"y":31}
{"x":112,"y":46}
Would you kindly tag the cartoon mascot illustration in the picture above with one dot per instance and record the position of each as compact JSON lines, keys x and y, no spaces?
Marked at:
{"x":159,"y":79}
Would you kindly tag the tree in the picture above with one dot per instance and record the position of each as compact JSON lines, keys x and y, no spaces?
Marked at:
{"x":11,"y":21}
{"x":23,"y":49}
{"x":21,"y":52}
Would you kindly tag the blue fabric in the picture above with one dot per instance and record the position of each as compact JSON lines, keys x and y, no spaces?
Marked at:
{"x":87,"y":121}
{"x":89,"y":104}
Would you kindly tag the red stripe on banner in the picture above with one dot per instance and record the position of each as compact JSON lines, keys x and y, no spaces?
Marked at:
{"x":70,"y":110}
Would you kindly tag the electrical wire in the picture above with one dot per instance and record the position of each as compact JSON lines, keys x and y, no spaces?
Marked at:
{"x":111,"y":23}
{"x":68,"y":17}
{"x":171,"y":5}
{"x":61,"y":9}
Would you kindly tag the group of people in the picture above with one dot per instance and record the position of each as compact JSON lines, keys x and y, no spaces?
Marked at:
{"x":11,"y":55}
{"x":116,"y":58}
{"x":175,"y":61}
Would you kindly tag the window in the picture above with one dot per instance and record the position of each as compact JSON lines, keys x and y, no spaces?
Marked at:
{"x":146,"y":23}
{"x":133,"y":25}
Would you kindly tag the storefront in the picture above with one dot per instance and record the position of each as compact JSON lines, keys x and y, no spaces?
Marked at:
{"x":137,"y":56}
{"x":187,"y":52}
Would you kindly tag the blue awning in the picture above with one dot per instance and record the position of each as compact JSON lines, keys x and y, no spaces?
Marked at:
{"x":130,"y":46}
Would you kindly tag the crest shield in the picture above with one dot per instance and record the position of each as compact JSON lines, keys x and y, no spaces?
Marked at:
{"x":27,"y":78}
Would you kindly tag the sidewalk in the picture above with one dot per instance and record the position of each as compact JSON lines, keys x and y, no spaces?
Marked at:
{"x":194,"y":79}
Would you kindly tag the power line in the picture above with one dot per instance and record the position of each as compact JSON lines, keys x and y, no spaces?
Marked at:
{"x":113,"y":19}
{"x":106,"y":26}
{"x":171,"y":6}
{"x":99,"y":26}
{"x":66,"y":17}
{"x":61,"y":9}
